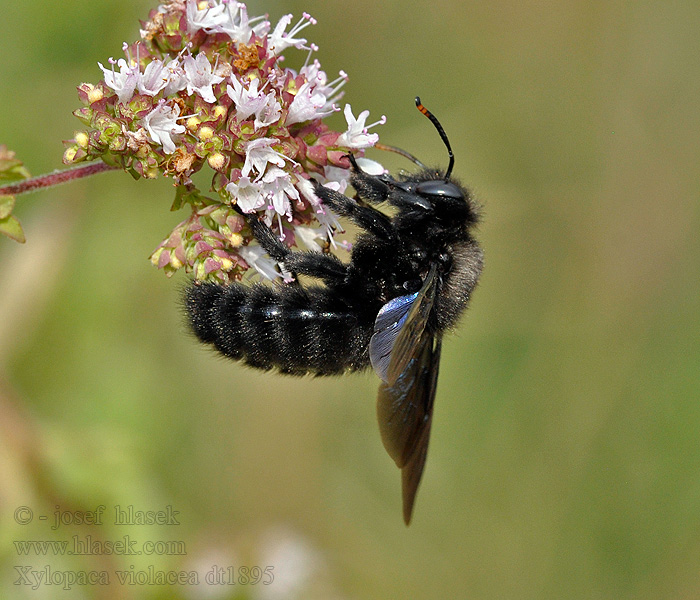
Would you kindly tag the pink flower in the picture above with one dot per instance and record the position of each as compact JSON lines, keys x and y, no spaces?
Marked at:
{"x":259,"y":154}
{"x":209,"y":17}
{"x":308,"y":104}
{"x":200,"y":77}
{"x":254,"y":256}
{"x":265,"y":139}
{"x":269,"y":112}
{"x":237,"y":25}
{"x":248,"y":100}
{"x":123,"y":83}
{"x":154,"y":78}
{"x":356,"y":136}
{"x":278,"y":187}
{"x":279,"y":40}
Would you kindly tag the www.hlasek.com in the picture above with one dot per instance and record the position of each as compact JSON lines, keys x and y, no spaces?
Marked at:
{"x":87,"y":545}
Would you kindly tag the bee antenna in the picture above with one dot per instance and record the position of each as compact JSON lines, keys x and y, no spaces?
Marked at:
{"x":441,"y":131}
{"x":401,"y":152}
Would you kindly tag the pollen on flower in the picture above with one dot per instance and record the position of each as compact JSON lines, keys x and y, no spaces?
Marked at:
{"x":216,"y":161}
{"x":205,"y":88}
{"x":95,"y":95}
{"x":236,"y":240}
{"x":248,"y":57}
{"x":182,"y":161}
{"x":69,"y":155}
{"x":82,"y":139}
{"x":153,"y":27}
{"x":193,"y":123}
{"x":181,"y":104}
{"x":206,"y":133}
{"x":226,"y":264}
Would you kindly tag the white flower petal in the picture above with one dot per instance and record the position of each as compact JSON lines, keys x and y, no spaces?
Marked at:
{"x":254,"y":256}
{"x":248,"y":194}
{"x":269,"y":112}
{"x":357,"y":136}
{"x":279,"y":40}
{"x":278,"y":187}
{"x":259,"y":154}
{"x":209,"y":17}
{"x":154,"y":78}
{"x":308,"y":237}
{"x":248,"y":100}
{"x":200,"y":77}
{"x":308,"y":104}
{"x":161,"y":125}
{"x":123,"y":83}
{"x":371,"y":167}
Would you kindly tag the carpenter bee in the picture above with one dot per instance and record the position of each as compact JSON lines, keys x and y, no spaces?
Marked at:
{"x":409,"y":278}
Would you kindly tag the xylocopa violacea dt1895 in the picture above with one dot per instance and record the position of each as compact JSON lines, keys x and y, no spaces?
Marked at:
{"x":409,"y":278}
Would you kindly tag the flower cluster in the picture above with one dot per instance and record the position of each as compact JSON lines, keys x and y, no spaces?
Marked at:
{"x":205,"y":86}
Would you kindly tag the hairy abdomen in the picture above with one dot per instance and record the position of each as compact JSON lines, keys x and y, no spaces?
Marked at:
{"x":296,"y":331}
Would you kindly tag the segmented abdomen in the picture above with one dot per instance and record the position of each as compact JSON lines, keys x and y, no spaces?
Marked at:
{"x":297,"y":331}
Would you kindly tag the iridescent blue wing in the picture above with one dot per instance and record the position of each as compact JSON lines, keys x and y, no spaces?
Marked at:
{"x":387,"y":327}
{"x":398,"y":328}
{"x":407,"y":393}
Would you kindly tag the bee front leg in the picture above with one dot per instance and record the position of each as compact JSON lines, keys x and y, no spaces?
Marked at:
{"x":367,"y":217}
{"x":368,"y":187}
{"x":314,"y":264}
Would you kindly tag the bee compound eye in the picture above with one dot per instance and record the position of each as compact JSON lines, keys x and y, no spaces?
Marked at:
{"x":439,"y":188}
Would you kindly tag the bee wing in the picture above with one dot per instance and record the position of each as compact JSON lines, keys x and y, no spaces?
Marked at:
{"x":407,"y":357}
{"x":405,"y":413}
{"x":398,"y":328}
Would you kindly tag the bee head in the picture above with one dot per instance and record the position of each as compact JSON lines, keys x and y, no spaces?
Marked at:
{"x":432,"y":191}
{"x":431,"y":194}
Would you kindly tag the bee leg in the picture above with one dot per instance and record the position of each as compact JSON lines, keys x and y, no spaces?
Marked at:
{"x":368,"y":187}
{"x":324,"y":266}
{"x":267,"y":238}
{"x":367,"y":217}
{"x":315,"y":264}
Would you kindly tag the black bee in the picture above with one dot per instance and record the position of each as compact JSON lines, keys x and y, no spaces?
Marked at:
{"x":409,"y":278}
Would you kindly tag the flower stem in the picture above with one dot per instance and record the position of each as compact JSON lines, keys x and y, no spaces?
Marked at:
{"x":52,"y":179}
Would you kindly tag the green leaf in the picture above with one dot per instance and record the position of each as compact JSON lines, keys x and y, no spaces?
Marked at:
{"x":180,"y":192}
{"x":7,"y":203}
{"x":10,"y":227}
{"x":11,"y":169}
{"x":188,"y":194}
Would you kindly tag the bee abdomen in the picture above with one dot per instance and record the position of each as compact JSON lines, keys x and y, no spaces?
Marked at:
{"x":298,"y":331}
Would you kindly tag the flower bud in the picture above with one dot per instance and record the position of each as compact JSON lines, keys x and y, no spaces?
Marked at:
{"x":82,"y":139}
{"x":95,"y":95}
{"x":216,"y":161}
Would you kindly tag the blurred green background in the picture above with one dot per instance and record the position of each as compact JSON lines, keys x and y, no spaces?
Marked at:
{"x":565,"y":455}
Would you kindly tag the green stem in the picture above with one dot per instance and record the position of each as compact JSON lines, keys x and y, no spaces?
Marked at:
{"x":52,"y":179}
